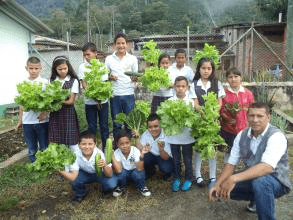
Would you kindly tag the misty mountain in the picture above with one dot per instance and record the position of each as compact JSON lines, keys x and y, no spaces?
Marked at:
{"x":41,"y":8}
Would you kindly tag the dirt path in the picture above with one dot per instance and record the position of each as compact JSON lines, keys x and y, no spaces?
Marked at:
{"x":194,"y":205}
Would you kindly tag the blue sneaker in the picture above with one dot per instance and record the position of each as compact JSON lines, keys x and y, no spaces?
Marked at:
{"x":186,"y":185}
{"x":176,"y":185}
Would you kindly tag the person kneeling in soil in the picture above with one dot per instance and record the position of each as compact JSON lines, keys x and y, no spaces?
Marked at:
{"x":128,"y":162}
{"x":263,"y":149}
{"x":160,"y":151}
{"x":83,"y":170}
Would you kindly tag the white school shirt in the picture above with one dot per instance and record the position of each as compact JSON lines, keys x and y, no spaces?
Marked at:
{"x":276,"y":148}
{"x":185,"y":71}
{"x":184,"y":137}
{"x":75,"y":85}
{"x":87,"y":165}
{"x":148,"y":138}
{"x":221,"y":92}
{"x":81,"y":70}
{"x":31,"y":117}
{"x":117,"y":67}
{"x":128,"y":163}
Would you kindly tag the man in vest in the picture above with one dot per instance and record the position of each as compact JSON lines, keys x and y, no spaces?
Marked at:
{"x":263,"y":149}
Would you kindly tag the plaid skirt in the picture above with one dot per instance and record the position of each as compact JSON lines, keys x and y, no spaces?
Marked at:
{"x":63,"y":126}
{"x":156,"y":102}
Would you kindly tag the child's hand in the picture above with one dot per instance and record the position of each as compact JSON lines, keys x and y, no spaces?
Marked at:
{"x":102,"y":163}
{"x":161,"y":145}
{"x":134,"y":78}
{"x":113,"y":78}
{"x":19,"y":125}
{"x":232,"y":121}
{"x":42,"y":116}
{"x":135,"y":133}
{"x":146,"y":149}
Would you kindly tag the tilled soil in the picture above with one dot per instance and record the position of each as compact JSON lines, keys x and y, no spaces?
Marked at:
{"x":11,"y":142}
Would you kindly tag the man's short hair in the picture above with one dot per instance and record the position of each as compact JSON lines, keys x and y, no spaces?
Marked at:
{"x":261,"y":105}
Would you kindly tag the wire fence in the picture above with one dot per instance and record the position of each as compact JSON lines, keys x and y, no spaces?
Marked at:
{"x":257,"y":50}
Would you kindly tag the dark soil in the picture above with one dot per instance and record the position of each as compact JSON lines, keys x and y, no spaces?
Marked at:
{"x":11,"y":143}
{"x":52,"y":203}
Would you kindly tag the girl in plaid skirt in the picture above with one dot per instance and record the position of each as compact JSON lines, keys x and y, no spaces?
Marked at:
{"x":63,"y":124}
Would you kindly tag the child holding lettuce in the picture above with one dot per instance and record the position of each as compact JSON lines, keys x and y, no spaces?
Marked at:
{"x":182,"y":143}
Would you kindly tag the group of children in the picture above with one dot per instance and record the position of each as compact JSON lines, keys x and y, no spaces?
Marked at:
{"x":136,"y":163}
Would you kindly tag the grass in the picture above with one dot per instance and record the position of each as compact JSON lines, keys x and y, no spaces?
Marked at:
{"x":8,"y":122}
{"x":289,"y":112}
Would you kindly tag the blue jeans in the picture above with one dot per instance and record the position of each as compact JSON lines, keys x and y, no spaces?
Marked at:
{"x":187,"y":157}
{"x":138,"y":177}
{"x":83,"y":178}
{"x":92,"y":113}
{"x":120,"y":104}
{"x":150,"y":160}
{"x":263,"y":190}
{"x":36,"y":136}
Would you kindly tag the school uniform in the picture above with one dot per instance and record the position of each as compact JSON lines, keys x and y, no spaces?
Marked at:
{"x":185,"y":142}
{"x":201,"y":90}
{"x":129,"y":171}
{"x":244,"y":97}
{"x":93,"y":109}
{"x":185,"y":71}
{"x":63,"y":124}
{"x":123,"y":87}
{"x":160,"y":96}
{"x":153,"y":157}
{"x":35,"y":131}
{"x":87,"y":174}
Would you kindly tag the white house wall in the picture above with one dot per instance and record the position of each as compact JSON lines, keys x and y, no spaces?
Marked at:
{"x":14,"y":40}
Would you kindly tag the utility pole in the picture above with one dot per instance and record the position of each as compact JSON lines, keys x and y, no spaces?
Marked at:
{"x":88,"y":20}
{"x":289,"y":35}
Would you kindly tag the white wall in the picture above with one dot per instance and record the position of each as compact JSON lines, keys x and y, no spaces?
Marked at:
{"x":14,"y":40}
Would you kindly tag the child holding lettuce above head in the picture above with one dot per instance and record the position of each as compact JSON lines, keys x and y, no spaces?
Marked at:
{"x":182,"y":142}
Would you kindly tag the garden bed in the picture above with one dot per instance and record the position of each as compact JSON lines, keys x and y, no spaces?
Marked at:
{"x":11,"y":142}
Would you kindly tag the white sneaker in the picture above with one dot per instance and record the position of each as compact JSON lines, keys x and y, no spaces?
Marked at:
{"x":145,"y":191}
{"x":251,"y":206}
{"x":118,"y":192}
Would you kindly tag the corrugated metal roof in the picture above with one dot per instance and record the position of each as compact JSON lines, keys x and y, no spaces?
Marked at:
{"x":22,"y":16}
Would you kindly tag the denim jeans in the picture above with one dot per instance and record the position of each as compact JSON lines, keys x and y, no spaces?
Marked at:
{"x":187,"y":157}
{"x":120,"y":104}
{"x":150,"y":160}
{"x":138,"y":177}
{"x":92,"y":113}
{"x":83,"y":178}
{"x":36,"y":136}
{"x":263,"y":190}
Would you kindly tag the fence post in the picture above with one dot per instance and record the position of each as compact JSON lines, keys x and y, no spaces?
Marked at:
{"x":67,"y":39}
{"x":289,"y":37}
{"x":188,"y":45}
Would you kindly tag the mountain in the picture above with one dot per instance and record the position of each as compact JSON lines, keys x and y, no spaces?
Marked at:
{"x":41,"y":8}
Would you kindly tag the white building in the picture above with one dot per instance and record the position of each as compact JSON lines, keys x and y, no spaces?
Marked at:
{"x":17,"y":29}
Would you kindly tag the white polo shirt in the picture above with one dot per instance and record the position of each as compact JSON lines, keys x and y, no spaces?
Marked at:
{"x":87,"y":165}
{"x":276,"y":148}
{"x":147,"y":137}
{"x":185,"y":71}
{"x":184,"y":137}
{"x":31,"y":117}
{"x":117,"y":67}
{"x":221,"y":91}
{"x":128,"y":163}
{"x":81,"y":70}
{"x":75,"y":85}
